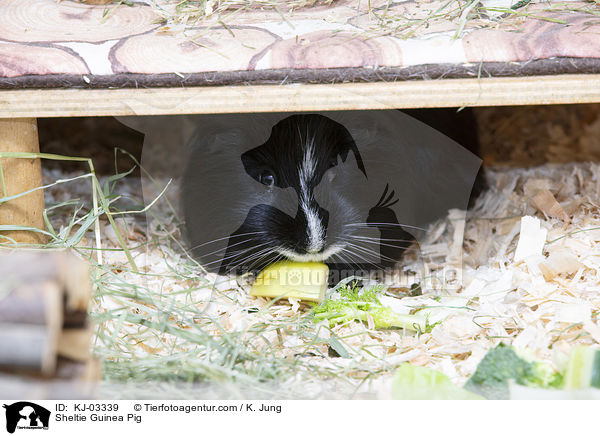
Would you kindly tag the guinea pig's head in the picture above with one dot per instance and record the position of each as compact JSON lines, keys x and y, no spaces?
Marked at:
{"x":289,"y":199}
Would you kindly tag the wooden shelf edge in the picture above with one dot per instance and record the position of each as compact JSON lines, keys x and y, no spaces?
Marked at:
{"x":504,"y":91}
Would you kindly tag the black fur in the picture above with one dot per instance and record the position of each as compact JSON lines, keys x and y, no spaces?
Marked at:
{"x":267,"y":228}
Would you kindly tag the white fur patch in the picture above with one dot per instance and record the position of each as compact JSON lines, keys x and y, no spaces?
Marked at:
{"x":315,"y":230}
{"x":316,"y":257}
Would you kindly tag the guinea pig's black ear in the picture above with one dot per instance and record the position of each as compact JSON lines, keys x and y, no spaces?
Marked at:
{"x":359,"y":161}
{"x":349,"y":143}
{"x":251,"y":164}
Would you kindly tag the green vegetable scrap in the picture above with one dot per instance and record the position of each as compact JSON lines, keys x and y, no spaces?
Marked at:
{"x":581,"y":379}
{"x":420,"y":383}
{"x":358,"y":304}
{"x":583,"y":368}
{"x":501,"y":364}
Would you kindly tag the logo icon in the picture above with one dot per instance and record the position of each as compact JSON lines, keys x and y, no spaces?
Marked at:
{"x":26,"y":415}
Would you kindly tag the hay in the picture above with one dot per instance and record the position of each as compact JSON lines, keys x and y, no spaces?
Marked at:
{"x":167,"y":322}
{"x":373,"y":18}
{"x":166,"y":329}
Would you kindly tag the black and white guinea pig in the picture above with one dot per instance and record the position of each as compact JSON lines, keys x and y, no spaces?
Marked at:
{"x":350,"y":190}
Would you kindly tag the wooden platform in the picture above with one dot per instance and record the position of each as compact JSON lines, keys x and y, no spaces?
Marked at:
{"x":65,"y":59}
{"x":74,"y":59}
{"x":68,"y":44}
{"x":301,"y":97}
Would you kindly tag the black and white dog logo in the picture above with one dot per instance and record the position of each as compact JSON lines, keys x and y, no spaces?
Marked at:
{"x":26,"y":415}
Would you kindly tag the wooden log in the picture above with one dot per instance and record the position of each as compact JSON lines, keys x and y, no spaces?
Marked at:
{"x":74,"y":276}
{"x":22,"y":286}
{"x":17,"y":387}
{"x":27,"y":305}
{"x":75,"y":344}
{"x":28,"y":347}
{"x":34,"y":302}
{"x":32,"y":345}
{"x":74,"y":319}
{"x":21,"y":175}
{"x":72,"y":380}
{"x":92,"y":372}
{"x":39,"y":357}
{"x":85,"y":372}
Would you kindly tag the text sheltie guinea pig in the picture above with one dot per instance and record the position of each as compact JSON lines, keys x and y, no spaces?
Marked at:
{"x":352,"y":190}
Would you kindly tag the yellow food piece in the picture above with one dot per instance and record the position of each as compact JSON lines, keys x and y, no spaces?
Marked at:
{"x":304,"y":280}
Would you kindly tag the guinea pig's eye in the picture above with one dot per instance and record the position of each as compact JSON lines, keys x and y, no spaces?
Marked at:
{"x":267,"y":178}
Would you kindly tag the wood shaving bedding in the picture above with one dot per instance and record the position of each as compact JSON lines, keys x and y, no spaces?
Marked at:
{"x":545,"y":300}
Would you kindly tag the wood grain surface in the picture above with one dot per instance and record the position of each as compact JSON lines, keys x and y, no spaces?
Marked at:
{"x":21,"y":175}
{"x":503,"y":91}
{"x":44,"y":43}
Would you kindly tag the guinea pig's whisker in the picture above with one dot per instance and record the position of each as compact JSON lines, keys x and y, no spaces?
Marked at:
{"x":371,"y":252}
{"x":255,"y":262}
{"x":231,"y":256}
{"x":359,"y":253}
{"x":358,"y":262}
{"x":337,"y":256}
{"x":383,"y":224}
{"x":379,"y":244}
{"x":234,"y":254}
{"x":226,"y":237}
{"x":251,"y":252}
{"x":227,"y":255}
{"x":253,"y":257}
{"x":345,"y":259}
{"x":377,"y":241}
{"x":340,"y":257}
{"x":342,"y":248}
{"x":230,"y":246}
{"x":277,"y":258}
{"x":368,"y":238}
{"x":363,"y":249}
{"x":359,"y":258}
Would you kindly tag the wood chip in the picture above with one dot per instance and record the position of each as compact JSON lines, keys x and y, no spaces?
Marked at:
{"x":531,"y":238}
{"x":545,"y":202}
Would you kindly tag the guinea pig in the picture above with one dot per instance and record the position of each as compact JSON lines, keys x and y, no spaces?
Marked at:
{"x":310,"y":188}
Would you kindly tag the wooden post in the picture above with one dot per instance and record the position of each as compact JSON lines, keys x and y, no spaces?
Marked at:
{"x":20,"y":175}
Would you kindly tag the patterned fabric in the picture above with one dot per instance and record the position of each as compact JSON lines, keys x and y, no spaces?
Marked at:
{"x":45,"y":43}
